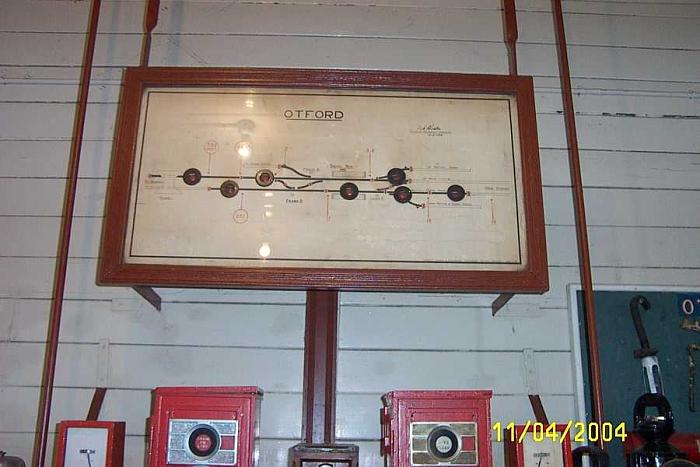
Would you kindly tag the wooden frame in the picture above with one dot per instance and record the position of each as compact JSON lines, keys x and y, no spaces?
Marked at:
{"x":114,"y":270}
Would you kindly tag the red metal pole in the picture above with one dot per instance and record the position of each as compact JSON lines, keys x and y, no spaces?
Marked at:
{"x":579,"y":215}
{"x":510,"y":34}
{"x":47,"y":379}
{"x":320,"y":361}
{"x":151,"y":20}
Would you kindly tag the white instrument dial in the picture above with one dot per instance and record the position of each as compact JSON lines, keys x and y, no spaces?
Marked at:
{"x":86,"y":447}
{"x":545,"y":453}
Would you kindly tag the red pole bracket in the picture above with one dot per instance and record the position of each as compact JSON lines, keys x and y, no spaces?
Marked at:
{"x":96,"y":404}
{"x":150,"y":295}
{"x":538,"y":409}
{"x":500,"y":302}
{"x":150,"y":22}
{"x":510,"y":34}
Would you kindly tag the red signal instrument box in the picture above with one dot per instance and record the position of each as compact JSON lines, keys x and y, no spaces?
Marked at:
{"x":204,"y":426}
{"x":436,"y":428}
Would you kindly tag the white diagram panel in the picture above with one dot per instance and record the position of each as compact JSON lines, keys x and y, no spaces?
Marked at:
{"x":259,"y":177}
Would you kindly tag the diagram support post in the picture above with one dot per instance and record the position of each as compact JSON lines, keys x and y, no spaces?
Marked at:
{"x":320,"y":360}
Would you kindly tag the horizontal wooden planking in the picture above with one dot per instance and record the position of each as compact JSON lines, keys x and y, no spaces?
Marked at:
{"x":32,"y":195}
{"x":346,"y":19}
{"x":503,"y":372}
{"x":659,"y":101}
{"x":282,"y":327}
{"x":622,"y":170}
{"x":632,"y":247}
{"x":364,"y":53}
{"x":126,"y":299}
{"x":664,"y":8}
{"x":273,"y":452}
{"x":632,"y":207}
{"x":611,"y":246}
{"x":105,"y":78}
{"x":31,"y":278}
{"x":43,"y":159}
{"x":271,"y":369}
{"x":281,"y":413}
{"x":415,"y":327}
{"x":531,"y":305}
{"x":196,"y":324}
{"x":621,"y":132}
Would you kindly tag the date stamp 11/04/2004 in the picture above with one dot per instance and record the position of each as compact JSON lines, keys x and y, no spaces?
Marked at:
{"x":579,"y":431}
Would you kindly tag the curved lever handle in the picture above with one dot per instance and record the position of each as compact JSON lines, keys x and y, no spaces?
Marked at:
{"x":635,"y":303}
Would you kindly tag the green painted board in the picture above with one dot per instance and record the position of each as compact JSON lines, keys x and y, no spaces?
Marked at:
{"x":622,"y":373}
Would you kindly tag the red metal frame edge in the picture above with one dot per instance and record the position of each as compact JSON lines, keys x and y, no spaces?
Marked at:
{"x":115,"y":440}
{"x":112,"y":270}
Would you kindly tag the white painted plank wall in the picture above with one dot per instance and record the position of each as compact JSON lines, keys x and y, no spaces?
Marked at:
{"x":635,"y":64}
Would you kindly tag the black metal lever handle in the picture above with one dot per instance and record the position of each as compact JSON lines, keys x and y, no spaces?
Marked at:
{"x":635,"y":303}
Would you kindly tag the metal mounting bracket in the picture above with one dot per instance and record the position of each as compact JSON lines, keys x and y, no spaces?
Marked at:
{"x":150,"y":295}
{"x":500,"y":302}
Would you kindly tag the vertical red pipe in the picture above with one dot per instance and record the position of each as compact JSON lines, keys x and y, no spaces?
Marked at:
{"x":47,"y":379}
{"x":320,"y":361}
{"x":510,"y":34}
{"x":580,"y":215}
{"x":151,"y":20}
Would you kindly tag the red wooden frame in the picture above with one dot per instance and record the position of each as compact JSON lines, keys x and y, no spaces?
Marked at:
{"x":514,"y":450}
{"x":115,"y":440}
{"x":113,"y":270}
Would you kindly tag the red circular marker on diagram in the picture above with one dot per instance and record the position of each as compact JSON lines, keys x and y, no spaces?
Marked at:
{"x":240,"y":216}
{"x":211,"y":146}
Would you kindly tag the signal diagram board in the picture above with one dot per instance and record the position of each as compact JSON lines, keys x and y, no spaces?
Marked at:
{"x":325,"y":179}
